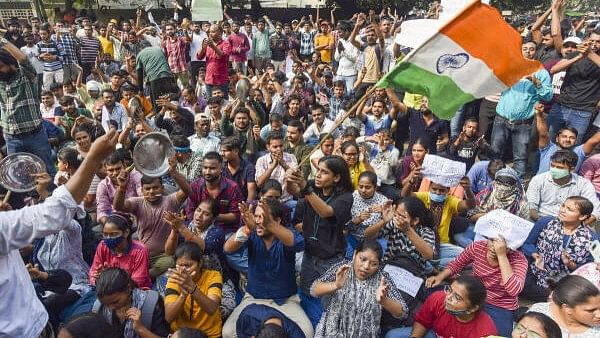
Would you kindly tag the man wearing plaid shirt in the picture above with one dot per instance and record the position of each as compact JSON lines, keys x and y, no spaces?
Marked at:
{"x":21,"y":119}
{"x":71,"y":49}
{"x":307,"y":38}
{"x":175,"y":50}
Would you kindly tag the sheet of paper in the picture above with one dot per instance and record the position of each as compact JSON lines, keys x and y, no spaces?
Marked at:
{"x":207,"y":10}
{"x":404,"y":280}
{"x":501,"y":222}
{"x":442,"y":170}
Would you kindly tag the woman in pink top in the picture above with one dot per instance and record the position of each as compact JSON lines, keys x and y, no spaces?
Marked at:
{"x":500,"y":269}
{"x":118,"y":250}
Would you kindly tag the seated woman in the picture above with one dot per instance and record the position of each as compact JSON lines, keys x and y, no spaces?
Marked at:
{"x":357,"y":159}
{"x":501,"y":270}
{"x":411,"y":165}
{"x":556,"y":246}
{"x":574,"y":306}
{"x":506,"y":192}
{"x":409,"y":235}
{"x":326,"y":149}
{"x":210,"y":238}
{"x":132,"y":312}
{"x":193,"y":293}
{"x":357,"y":292}
{"x":117,"y":249}
{"x":367,"y":209}
{"x":535,"y":324}
{"x":454,"y":312}
{"x":87,"y":325}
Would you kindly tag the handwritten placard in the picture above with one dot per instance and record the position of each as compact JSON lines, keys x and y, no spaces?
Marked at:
{"x":207,"y":10}
{"x":442,"y":170}
{"x":501,"y":222}
{"x":404,"y":280}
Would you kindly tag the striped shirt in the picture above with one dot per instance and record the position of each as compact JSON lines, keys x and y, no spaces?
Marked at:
{"x":307,"y":46}
{"x":19,"y":102}
{"x":505,"y":296}
{"x":70,"y":45}
{"x":89,"y":49}
{"x":175,"y":50}
{"x":399,"y":244}
{"x":52,"y":48}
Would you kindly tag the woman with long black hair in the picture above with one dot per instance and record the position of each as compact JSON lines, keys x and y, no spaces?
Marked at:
{"x":327,"y":206}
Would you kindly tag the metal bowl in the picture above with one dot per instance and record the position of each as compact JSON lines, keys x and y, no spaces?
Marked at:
{"x":242,"y":88}
{"x":151,"y":154}
{"x":16,"y":170}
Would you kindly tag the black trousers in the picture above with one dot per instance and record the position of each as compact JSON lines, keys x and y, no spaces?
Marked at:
{"x":161,"y":87}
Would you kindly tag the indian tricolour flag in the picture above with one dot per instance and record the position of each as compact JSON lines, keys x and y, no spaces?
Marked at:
{"x":475,"y":54}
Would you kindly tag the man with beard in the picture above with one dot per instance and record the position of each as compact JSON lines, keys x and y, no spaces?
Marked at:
{"x":239,"y":170}
{"x":346,"y":54}
{"x":321,"y":125}
{"x":21,"y":119}
{"x":423,"y":125}
{"x":203,"y":141}
{"x":217,"y":51}
{"x":580,"y":91}
{"x":373,"y":53}
{"x":152,"y":230}
{"x":465,"y":147}
{"x":239,"y":48}
{"x":279,"y":47}
{"x":247,"y":132}
{"x":274,"y":164}
{"x":272,"y":249}
{"x":213,"y":185}
{"x":566,"y":138}
{"x":69,"y":113}
{"x":295,"y":145}
{"x":175,"y":48}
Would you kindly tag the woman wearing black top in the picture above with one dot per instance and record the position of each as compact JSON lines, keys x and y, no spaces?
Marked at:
{"x":327,"y":204}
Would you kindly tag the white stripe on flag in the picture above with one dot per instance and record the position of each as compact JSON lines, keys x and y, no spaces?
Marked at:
{"x":474,"y":77}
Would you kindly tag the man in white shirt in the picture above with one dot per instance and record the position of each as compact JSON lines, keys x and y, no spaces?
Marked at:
{"x":198,"y":35}
{"x":22,"y":314}
{"x":112,"y":110}
{"x":274,"y":164}
{"x":203,"y":141}
{"x":346,"y":54}
{"x":320,"y":125}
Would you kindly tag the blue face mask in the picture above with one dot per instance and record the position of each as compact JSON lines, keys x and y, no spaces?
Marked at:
{"x":112,"y":243}
{"x":437,"y":198}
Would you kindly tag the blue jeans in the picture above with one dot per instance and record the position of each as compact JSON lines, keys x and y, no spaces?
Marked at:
{"x":561,"y":116}
{"x":35,"y":143}
{"x":448,"y":252}
{"x":464,"y":239}
{"x":520,"y":134}
{"x":503,"y":319}
{"x":405,"y":332}
{"x":349,"y":81}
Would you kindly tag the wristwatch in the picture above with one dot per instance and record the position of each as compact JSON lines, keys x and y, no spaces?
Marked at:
{"x":3,"y":42}
{"x":307,"y":190}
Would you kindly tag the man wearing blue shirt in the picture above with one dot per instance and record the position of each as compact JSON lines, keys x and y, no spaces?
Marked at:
{"x":272,"y":251}
{"x":514,"y":113}
{"x":566,"y":138}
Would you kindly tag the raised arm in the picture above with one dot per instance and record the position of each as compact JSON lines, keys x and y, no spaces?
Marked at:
{"x":359,"y":22}
{"x":557,"y":11}
{"x":536,"y":32}
{"x":14,"y":51}
{"x":542,"y":126}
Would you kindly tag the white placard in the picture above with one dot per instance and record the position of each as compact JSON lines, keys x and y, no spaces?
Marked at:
{"x":442,"y":170}
{"x":501,"y":222}
{"x":404,"y":280}
{"x":207,"y":10}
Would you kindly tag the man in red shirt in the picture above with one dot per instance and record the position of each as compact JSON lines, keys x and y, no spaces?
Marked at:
{"x":217,"y":51}
{"x":239,"y":48}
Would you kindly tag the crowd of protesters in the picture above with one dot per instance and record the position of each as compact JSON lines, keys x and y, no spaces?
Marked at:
{"x":281,"y":209}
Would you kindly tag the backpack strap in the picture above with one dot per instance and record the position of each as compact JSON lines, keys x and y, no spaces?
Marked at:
{"x":148,"y":308}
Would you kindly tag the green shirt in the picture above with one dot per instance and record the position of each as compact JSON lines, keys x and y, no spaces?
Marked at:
{"x":70,"y":121}
{"x":261,"y":44}
{"x":153,"y":62}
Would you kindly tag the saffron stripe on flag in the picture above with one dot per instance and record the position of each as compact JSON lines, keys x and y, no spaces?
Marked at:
{"x":445,"y":97}
{"x":480,"y":30}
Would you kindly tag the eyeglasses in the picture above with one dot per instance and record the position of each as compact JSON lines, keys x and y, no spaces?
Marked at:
{"x":452,"y":296}
{"x":523,"y":331}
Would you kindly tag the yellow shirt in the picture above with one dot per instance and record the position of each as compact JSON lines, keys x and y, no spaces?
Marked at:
{"x":372,"y":65}
{"x":449,"y":211}
{"x":107,"y":46}
{"x":355,"y":172}
{"x":321,"y":40}
{"x":192,"y":316}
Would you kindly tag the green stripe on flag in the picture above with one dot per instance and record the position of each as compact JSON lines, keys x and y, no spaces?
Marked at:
{"x":445,"y":97}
